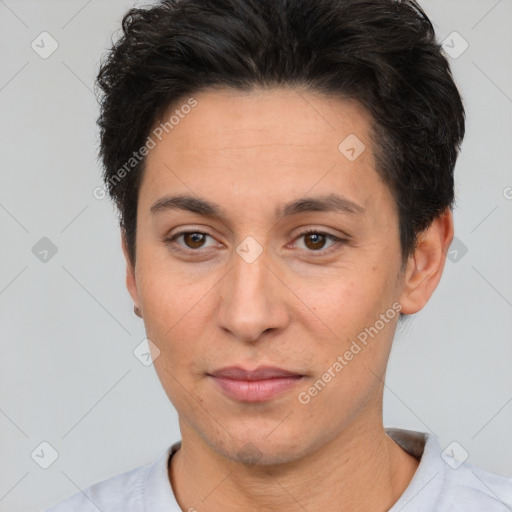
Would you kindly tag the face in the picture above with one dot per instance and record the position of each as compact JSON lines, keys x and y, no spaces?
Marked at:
{"x":240,"y":282}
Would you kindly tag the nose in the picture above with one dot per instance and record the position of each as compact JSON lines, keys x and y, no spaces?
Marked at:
{"x":252,"y":300}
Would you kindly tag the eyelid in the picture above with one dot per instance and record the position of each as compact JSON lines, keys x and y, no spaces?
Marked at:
{"x":338,"y":241}
{"x":170,"y":239}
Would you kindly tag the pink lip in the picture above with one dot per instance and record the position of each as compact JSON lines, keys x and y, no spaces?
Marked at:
{"x":257,"y":385}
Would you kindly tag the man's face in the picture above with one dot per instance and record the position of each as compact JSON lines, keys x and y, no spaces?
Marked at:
{"x":255,"y":290}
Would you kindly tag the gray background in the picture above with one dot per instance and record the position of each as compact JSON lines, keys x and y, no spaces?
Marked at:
{"x":68,"y":375}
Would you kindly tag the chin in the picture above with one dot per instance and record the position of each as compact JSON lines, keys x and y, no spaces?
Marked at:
{"x":255,"y":447}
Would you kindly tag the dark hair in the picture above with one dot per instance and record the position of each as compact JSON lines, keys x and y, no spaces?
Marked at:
{"x":381,"y":53}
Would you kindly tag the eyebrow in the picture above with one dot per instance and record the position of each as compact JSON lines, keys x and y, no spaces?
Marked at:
{"x":326,"y":203}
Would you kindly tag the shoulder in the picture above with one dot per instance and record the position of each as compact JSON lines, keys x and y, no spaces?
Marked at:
{"x":114,"y":493}
{"x":445,"y":482}
{"x":471,"y":488}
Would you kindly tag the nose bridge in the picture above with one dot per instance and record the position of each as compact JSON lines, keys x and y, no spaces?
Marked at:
{"x":250,"y":272}
{"x":249,"y":302}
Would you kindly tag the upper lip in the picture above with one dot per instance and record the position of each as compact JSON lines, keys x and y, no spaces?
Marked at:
{"x":260,"y":373}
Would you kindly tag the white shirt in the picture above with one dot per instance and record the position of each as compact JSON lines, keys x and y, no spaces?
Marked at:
{"x":435,"y":487}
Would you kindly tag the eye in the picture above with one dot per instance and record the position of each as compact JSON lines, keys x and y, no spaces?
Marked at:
{"x":193,"y":239}
{"x":315,"y":240}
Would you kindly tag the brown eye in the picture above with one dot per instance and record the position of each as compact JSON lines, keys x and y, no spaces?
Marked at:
{"x":314,"y":241}
{"x":192,"y":240}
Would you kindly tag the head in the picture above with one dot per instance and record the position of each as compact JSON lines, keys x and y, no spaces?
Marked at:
{"x":228,"y":130}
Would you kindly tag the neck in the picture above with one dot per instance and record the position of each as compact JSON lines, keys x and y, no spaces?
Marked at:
{"x":361,"y":469}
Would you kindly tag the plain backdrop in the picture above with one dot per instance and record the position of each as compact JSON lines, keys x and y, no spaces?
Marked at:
{"x":68,"y":374}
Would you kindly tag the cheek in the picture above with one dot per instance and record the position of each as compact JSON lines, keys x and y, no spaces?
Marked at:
{"x":175,"y":315}
{"x":348,"y":302}
{"x":175,"y":323}
{"x":345,"y":321}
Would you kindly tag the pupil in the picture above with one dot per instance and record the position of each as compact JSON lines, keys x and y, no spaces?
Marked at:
{"x":318,"y":239}
{"x":196,"y":238}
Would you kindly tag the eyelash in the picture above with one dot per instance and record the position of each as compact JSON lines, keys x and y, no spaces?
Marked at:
{"x":338,"y":241}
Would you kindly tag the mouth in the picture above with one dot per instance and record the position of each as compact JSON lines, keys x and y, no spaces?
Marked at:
{"x":259,"y":385}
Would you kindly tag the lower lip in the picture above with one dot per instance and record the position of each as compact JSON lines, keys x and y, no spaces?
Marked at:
{"x":256,"y":390}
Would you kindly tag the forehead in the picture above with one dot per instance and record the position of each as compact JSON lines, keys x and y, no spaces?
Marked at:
{"x":263,"y":144}
{"x":226,"y":118}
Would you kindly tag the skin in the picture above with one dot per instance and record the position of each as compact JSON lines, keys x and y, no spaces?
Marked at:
{"x":297,"y":306}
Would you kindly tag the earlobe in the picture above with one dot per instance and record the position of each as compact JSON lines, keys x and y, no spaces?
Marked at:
{"x":131,"y":284}
{"x":425,"y":266}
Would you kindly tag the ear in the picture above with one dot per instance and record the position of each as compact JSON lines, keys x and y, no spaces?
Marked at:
{"x":425,"y":266}
{"x":131,"y":285}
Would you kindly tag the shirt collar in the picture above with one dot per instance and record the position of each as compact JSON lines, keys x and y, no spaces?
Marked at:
{"x":424,"y":489}
{"x":158,"y":493}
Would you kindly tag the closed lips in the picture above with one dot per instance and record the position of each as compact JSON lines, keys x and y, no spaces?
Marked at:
{"x":262,"y":373}
{"x":259,"y":385}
